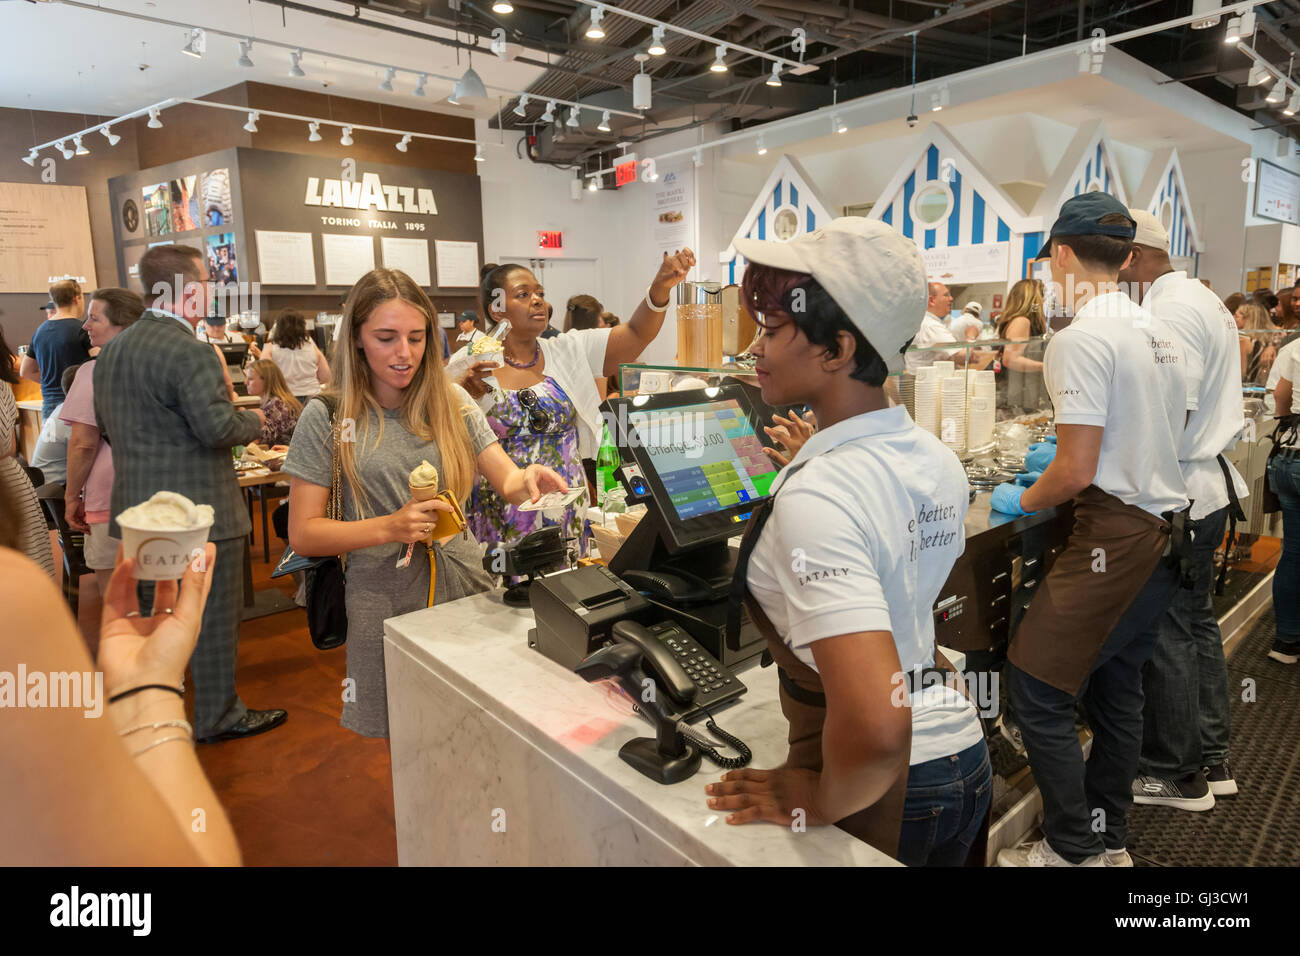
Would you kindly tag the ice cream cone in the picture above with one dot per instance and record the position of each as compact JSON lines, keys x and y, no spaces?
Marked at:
{"x":423,"y":483}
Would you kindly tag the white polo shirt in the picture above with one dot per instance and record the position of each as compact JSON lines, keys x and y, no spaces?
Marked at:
{"x":1117,"y":367}
{"x":931,"y":332}
{"x":963,"y":322}
{"x":862,"y":538}
{"x":1208,"y":336}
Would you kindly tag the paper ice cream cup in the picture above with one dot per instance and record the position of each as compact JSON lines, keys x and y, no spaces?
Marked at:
{"x":164,"y":549}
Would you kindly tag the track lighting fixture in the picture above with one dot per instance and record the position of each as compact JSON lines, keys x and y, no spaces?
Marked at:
{"x":775,"y":78}
{"x":30,"y":158}
{"x":603,"y":126}
{"x":295,"y":64}
{"x":154,"y":121}
{"x":657,"y":47}
{"x":245,"y":47}
{"x":503,"y":7}
{"x":251,"y":125}
{"x":81,"y":148}
{"x":346,"y":138}
{"x":419,"y":85}
{"x":387,"y":85}
{"x":573,"y":122}
{"x":478,"y":153}
{"x":403,"y":143}
{"x":762,"y":147}
{"x":62,"y":147}
{"x":109,"y":135}
{"x":522,"y":109}
{"x":197,"y":43}
{"x":313,"y":132}
{"x":717,"y":66}
{"x":549,"y":115}
{"x":594,"y":30}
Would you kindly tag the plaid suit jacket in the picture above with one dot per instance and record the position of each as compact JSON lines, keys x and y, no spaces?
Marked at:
{"x":161,"y":402}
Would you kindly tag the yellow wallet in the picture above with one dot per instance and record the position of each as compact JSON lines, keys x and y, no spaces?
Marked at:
{"x":449,"y":522}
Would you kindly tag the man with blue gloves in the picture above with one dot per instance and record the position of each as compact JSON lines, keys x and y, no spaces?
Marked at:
{"x":1117,"y":383}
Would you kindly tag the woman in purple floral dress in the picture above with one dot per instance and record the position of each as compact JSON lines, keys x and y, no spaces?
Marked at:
{"x":534,"y":424}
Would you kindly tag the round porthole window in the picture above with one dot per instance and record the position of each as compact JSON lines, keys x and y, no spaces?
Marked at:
{"x":785,"y":224}
{"x":1167,"y":215}
{"x":932,"y":204}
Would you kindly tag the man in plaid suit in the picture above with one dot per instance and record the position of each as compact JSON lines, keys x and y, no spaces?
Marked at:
{"x":162,"y":403}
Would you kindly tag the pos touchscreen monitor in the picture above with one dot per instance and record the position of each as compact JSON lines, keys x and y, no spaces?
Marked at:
{"x":701,"y":459}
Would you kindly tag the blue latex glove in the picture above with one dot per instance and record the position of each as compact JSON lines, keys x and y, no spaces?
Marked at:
{"x":1028,"y":478}
{"x":1050,"y":439}
{"x":1006,"y":499}
{"x":1040,"y":455}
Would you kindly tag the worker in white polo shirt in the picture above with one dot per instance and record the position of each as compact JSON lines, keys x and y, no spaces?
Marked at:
{"x":1116,"y":380}
{"x":1185,"y":740}
{"x":841,"y":566}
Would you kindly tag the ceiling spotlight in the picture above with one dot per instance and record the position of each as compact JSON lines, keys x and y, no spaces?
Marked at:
{"x":109,"y":135}
{"x":245,"y":45}
{"x":837,"y":124}
{"x":403,"y":143}
{"x":698,"y":158}
{"x":775,"y":78}
{"x":593,"y":184}
{"x":30,"y":158}
{"x":387,"y":85}
{"x":468,"y":87}
{"x":1278,"y":93}
{"x":1233,"y":33}
{"x":197,"y":44}
{"x":1085,"y":61}
{"x":295,"y":63}
{"x":1210,"y":9}
{"x":419,"y":85}
{"x":62,"y":147}
{"x":503,"y":6}
{"x":657,"y":47}
{"x":549,"y":115}
{"x":154,"y":121}
{"x":1258,"y":74}
{"x":604,"y":122}
{"x":1248,"y":24}
{"x":573,"y":121}
{"x":594,"y":32}
{"x":313,"y":132}
{"x":478,"y":153}
{"x":81,"y":148}
{"x":1293,"y":106}
{"x":717,"y":66}
{"x":522,"y":109}
{"x":346,"y":138}
{"x":762,"y":147}
{"x":935,"y":105}
{"x":251,"y":125}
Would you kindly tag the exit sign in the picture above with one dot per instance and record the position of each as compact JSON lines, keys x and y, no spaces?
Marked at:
{"x":550,"y":240}
{"x":625,"y":173}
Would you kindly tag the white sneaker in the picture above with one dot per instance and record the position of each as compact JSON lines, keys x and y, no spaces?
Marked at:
{"x":1118,"y":857}
{"x":1042,"y":854}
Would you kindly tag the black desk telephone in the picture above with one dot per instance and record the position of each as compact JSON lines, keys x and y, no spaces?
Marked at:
{"x":671,"y":680}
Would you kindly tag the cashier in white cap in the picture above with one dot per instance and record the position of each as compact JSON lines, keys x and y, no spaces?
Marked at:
{"x":841,"y":567}
{"x":1115,"y":376}
{"x":1186,"y":687}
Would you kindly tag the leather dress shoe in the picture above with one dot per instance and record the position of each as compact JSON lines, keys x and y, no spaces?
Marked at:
{"x":250,"y":725}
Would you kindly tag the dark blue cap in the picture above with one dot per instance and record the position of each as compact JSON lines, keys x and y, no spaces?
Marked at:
{"x":1081,"y":215}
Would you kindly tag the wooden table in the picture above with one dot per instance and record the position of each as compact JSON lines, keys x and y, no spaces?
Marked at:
{"x":268,"y":600}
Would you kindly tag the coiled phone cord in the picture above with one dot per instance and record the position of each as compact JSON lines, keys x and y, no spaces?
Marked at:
{"x":709,"y":750}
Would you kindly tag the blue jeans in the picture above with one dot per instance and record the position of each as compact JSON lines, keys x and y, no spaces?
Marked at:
{"x":1284,"y":479}
{"x":1085,"y":806}
{"x":1186,"y":684}
{"x":947,"y":802}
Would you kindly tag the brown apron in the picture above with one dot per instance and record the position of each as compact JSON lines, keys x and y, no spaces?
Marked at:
{"x":1079,"y":603}
{"x":803,"y":702}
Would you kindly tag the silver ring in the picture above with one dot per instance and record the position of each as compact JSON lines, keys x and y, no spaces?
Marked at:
{"x":132,"y":613}
{"x":165,"y":610}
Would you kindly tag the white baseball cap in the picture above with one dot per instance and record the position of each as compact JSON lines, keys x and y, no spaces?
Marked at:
{"x":871,"y":271}
{"x":974,"y":308}
{"x":1149,"y":231}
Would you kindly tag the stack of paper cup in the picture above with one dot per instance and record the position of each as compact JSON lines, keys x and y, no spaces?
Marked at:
{"x":907,"y":393}
{"x":927,"y":403}
{"x":944,"y":369}
{"x":952,"y":412}
{"x":981,"y":412}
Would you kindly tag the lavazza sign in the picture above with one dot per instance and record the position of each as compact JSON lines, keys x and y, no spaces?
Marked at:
{"x":369,"y":195}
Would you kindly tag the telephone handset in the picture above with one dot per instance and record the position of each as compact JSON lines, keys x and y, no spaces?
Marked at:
{"x":665,"y":658}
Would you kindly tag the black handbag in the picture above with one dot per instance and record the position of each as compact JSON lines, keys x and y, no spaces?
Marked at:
{"x":327,"y":610}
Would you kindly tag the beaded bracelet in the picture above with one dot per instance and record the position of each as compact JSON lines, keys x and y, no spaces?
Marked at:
{"x":184,"y":725}
{"x":159,"y":743}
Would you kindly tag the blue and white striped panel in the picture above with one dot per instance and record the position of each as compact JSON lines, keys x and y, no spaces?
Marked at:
{"x":970,"y":223}
{"x":1180,"y":232}
{"x":1096,"y":167}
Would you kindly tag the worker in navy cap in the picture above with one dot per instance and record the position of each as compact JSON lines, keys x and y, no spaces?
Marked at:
{"x":1116,"y":379}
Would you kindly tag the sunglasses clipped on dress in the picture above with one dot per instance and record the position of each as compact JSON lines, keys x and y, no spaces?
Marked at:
{"x":537,"y":416}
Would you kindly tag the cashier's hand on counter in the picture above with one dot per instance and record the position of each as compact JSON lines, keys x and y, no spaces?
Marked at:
{"x":1040,"y":455}
{"x":770,"y":795}
{"x":791,"y":433}
{"x":1006,"y":498}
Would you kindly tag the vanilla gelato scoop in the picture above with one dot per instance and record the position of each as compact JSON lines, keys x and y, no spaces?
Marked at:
{"x":423,"y":476}
{"x":167,"y":511}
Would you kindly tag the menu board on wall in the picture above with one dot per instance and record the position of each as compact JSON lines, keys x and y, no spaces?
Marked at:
{"x":457,"y":264}
{"x":44,"y":233}
{"x":986,"y":262}
{"x":1277,"y":193}
{"x":409,"y":255}
{"x":347,"y":258}
{"x":285,"y":258}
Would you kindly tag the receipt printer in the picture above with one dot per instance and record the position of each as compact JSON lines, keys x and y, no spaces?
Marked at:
{"x":575,"y":611}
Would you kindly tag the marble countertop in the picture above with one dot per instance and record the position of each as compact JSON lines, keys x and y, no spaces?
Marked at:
{"x":479,"y":646}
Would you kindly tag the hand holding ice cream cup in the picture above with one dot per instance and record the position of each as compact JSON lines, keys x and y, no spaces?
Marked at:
{"x":165,"y":535}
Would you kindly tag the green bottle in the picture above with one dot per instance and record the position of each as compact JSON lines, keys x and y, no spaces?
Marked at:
{"x":607,"y":462}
